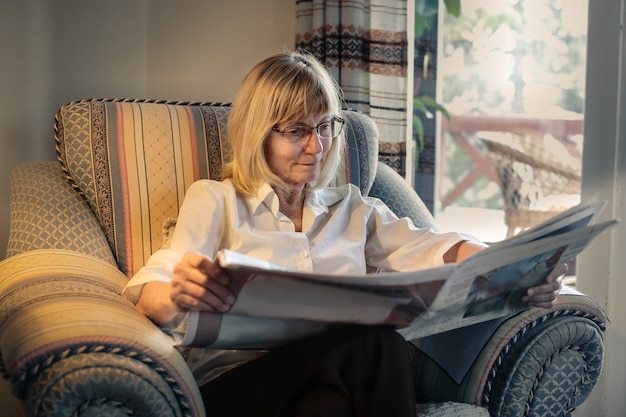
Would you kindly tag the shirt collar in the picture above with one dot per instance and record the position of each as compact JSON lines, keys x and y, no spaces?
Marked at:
{"x":264,"y":194}
{"x":317,"y":200}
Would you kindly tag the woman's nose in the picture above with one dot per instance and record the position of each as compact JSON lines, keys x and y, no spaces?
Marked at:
{"x":314,"y":146}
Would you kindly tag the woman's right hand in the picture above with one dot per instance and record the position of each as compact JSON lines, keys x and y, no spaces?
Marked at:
{"x":199,"y":283}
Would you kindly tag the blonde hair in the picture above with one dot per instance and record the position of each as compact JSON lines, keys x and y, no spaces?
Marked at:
{"x":279,"y":89}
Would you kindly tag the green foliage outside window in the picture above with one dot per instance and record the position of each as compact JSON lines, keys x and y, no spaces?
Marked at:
{"x":512,"y":58}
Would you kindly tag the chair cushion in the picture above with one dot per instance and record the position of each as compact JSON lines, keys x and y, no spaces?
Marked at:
{"x":134,"y":160}
{"x":70,"y":341}
{"x":47,"y":214}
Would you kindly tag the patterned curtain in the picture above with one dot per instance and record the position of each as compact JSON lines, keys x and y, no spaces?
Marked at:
{"x":364,"y":44}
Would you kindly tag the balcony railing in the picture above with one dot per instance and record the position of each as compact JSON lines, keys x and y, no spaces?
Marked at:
{"x":462,"y":127}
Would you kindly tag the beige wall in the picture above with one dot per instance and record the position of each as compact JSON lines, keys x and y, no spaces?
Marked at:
{"x":202,"y":53}
{"x":63,"y":50}
{"x":56,"y":51}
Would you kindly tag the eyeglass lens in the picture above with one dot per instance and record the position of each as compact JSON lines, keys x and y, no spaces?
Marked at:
{"x":325,"y":130}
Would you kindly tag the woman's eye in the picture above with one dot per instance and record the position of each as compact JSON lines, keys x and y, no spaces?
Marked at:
{"x":294,"y":131}
{"x":324,"y":128}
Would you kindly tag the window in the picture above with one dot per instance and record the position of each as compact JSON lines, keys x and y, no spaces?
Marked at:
{"x":511,"y":75}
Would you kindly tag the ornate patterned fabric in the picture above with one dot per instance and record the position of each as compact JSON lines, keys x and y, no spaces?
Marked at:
{"x":63,"y":321}
{"x":137,"y":389}
{"x":390,"y":187}
{"x":133,"y":162}
{"x":47,"y":214}
{"x":364,"y":44}
{"x":538,"y":363}
{"x":447,"y":409}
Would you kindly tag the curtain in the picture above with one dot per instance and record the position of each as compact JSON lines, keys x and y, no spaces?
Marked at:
{"x":364,"y":44}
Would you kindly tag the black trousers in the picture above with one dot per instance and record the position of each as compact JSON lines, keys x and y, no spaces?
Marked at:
{"x":360,"y":371}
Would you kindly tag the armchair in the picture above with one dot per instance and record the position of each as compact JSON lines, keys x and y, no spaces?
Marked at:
{"x":72,"y":345}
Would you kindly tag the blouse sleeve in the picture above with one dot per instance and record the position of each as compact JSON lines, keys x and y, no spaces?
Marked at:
{"x":198,"y":229}
{"x":396,"y":244}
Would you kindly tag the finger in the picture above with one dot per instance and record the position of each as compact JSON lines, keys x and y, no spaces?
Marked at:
{"x":543,"y":295}
{"x":195,"y":284}
{"x":209,"y":302}
{"x":188,"y":295}
{"x":548,"y":287}
{"x":558,"y":273}
{"x":199,"y":283}
{"x":215,"y":271}
{"x":212,"y":280}
{"x":215,"y":290}
{"x":552,"y":283}
{"x":206,"y":266}
{"x":544,"y":299}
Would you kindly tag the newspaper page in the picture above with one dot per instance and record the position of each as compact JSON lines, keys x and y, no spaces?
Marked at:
{"x":490,"y":284}
{"x":275,"y":305}
{"x":576,"y":217}
{"x":272,"y":301}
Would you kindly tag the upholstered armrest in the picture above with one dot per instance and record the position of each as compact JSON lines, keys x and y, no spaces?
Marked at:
{"x":72,"y":345}
{"x":541,"y":362}
{"x":390,"y":187}
{"x":47,"y":213}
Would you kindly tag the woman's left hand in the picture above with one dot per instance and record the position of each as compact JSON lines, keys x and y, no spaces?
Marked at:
{"x":545,"y":295}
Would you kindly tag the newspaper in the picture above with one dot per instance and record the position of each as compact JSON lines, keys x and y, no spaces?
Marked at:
{"x":275,"y":305}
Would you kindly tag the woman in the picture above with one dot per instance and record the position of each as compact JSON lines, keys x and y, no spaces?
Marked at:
{"x":273,"y":203}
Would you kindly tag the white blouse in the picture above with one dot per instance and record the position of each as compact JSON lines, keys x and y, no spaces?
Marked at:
{"x":342,"y":233}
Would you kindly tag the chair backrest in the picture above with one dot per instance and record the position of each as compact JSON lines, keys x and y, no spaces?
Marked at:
{"x":133,"y":161}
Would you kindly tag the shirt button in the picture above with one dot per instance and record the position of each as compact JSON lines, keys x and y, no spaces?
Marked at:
{"x":304,"y":254}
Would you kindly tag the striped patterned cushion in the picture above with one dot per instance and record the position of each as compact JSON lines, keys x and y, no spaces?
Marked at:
{"x":65,"y":324}
{"x":134,"y":160}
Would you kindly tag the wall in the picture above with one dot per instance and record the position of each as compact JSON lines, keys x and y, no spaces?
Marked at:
{"x":25,"y":92}
{"x":65,"y":50}
{"x":56,"y":51}
{"x":98,"y":49}
{"x":25,"y":108}
{"x":201,"y":53}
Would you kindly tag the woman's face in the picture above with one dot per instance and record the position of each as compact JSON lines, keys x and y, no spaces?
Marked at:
{"x":300,"y":162}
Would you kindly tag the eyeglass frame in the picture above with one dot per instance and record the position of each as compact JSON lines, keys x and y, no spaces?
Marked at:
{"x":315,"y":128}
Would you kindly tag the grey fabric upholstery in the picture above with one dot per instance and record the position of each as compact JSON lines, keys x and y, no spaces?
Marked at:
{"x":390,"y":187}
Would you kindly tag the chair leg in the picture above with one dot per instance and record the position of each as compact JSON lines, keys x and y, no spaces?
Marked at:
{"x":510,"y":231}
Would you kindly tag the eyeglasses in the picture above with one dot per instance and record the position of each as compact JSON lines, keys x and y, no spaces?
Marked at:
{"x":325,"y":130}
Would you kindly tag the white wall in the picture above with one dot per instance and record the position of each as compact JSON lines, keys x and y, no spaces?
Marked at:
{"x":56,"y":51}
